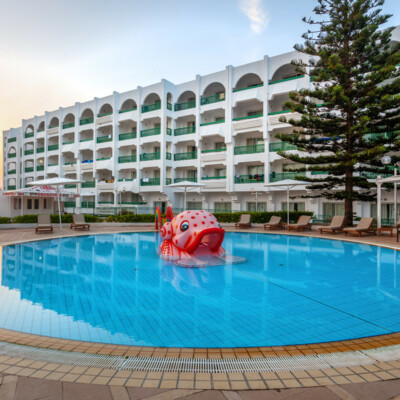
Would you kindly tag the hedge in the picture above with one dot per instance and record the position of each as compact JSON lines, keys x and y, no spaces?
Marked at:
{"x":5,"y":220}
{"x":261,"y":217}
{"x":131,"y":218}
{"x":65,"y":218}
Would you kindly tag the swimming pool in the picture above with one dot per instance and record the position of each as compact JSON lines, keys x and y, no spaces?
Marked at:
{"x":114,"y":289}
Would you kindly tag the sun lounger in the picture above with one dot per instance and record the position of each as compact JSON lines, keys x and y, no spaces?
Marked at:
{"x":244,"y":221}
{"x":302,"y":223}
{"x":337,"y":225}
{"x":78,"y":222}
{"x":44,"y":224}
{"x":364,"y":226}
{"x":274,"y":223}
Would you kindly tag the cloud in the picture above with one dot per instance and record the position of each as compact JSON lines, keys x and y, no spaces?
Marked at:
{"x":254,"y":11}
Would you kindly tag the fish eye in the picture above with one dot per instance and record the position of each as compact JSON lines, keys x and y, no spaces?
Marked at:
{"x":184,"y":226}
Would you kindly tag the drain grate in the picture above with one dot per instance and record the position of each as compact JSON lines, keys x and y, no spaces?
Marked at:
{"x":268,"y":364}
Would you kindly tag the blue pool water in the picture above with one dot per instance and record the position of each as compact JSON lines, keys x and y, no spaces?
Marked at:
{"x":114,"y":289}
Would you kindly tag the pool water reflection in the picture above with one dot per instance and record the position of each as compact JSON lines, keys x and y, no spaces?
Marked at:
{"x":114,"y":289}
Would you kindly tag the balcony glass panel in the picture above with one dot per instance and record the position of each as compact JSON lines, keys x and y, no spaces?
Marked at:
{"x":257,"y":178}
{"x":184,"y":131}
{"x":28,"y":169}
{"x":212,"y":99}
{"x":12,"y":155}
{"x":249,"y":87}
{"x":40,"y":168}
{"x":52,"y":147}
{"x":40,"y":150}
{"x":127,"y":135}
{"x":104,"y":139}
{"x":220,"y":121}
{"x":149,"y":181}
{"x":256,"y":148}
{"x":90,"y":184}
{"x":286,"y":79}
{"x":28,"y":152}
{"x":281,"y":146}
{"x":192,"y":179}
{"x":13,"y":139}
{"x":126,"y":159}
{"x":185,"y":106}
{"x":151,"y":107}
{"x":280,"y":176}
{"x":248,"y":117}
{"x":150,"y":132}
{"x":70,"y":125}
{"x":29,"y":135}
{"x":86,"y":121}
{"x":191,"y":155}
{"x":150,"y":156}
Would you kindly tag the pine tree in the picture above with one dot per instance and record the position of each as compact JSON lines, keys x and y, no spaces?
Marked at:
{"x":350,"y":117}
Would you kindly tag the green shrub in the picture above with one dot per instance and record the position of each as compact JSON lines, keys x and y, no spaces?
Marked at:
{"x":260,"y":217}
{"x":65,"y":219}
{"x":93,"y":218}
{"x":131,"y":218}
{"x":25,"y":219}
{"x":5,"y":220}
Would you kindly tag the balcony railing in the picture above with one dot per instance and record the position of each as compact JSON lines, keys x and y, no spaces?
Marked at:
{"x":248,"y":117}
{"x":29,"y":135}
{"x":70,"y":125}
{"x":280,"y":112}
{"x":11,"y":187}
{"x":124,"y":111}
{"x":214,"y":150}
{"x":13,"y":139}
{"x":28,"y":152}
{"x":249,"y":87}
{"x":52,"y":147}
{"x":69,"y":204}
{"x":104,"y":114}
{"x":281,"y":146}
{"x":86,"y":121}
{"x":255,"y":148}
{"x":12,"y":155}
{"x":212,"y":99}
{"x":85,"y":140}
{"x":191,"y":155}
{"x":127,"y":135}
{"x":169,"y":106}
{"x":125,"y":179}
{"x":209,"y":178}
{"x":40,"y":168}
{"x":149,"y":181}
{"x":104,"y":139}
{"x":192,"y":179}
{"x":29,"y":169}
{"x":70,"y":186}
{"x":12,"y":171}
{"x":88,"y":204}
{"x":69,"y":142}
{"x":150,"y":132}
{"x":286,"y":79}
{"x":257,"y":178}
{"x":105,"y":202}
{"x":103,"y":159}
{"x":169,"y":131}
{"x":220,"y":121}
{"x":52,"y":126}
{"x":150,"y":156}
{"x":40,"y":130}
{"x":53,"y":164}
{"x":90,"y":184}
{"x":151,"y":107}
{"x":374,"y":175}
{"x":185,"y":106}
{"x":40,"y":150}
{"x":184,"y":131}
{"x":70,"y":163}
{"x":168,"y":155}
{"x":280,"y":176}
{"x":168,"y":181}
{"x":126,"y":159}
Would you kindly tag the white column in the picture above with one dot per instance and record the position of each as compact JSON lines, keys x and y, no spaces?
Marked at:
{"x":378,"y":206}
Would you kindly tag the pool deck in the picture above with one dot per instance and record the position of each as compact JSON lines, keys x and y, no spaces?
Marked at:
{"x":25,"y":378}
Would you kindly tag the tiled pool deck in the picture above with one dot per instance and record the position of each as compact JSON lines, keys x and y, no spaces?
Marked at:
{"x":375,"y":380}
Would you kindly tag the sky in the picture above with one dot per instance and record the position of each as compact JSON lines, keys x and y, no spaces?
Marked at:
{"x":55,"y":53}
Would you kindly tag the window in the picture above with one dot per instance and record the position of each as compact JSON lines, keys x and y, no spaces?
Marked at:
{"x":36,"y":204}
{"x":387,"y":212}
{"x":44,"y":203}
{"x":29,"y":202}
{"x":294,"y":206}
{"x":157,"y":173}
{"x":157,"y":125}
{"x":254,"y":141}
{"x":219,"y":119}
{"x":220,"y":145}
{"x":191,"y":123}
{"x":255,"y":170}
{"x":17,"y":203}
{"x":220,"y":172}
{"x":157,"y":149}
{"x":253,"y":206}
{"x":194,"y":205}
{"x":222,"y":207}
{"x":192,"y":173}
{"x":332,"y":209}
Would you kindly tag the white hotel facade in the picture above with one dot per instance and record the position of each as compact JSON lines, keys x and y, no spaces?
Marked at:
{"x":218,"y":129}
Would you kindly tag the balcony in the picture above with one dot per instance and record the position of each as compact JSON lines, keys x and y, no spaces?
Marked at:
{"x":127,"y":159}
{"x":150,"y":132}
{"x":40,"y":168}
{"x":40,"y":150}
{"x":281,"y":146}
{"x":258,"y":178}
{"x":191,"y":155}
{"x":104,"y":139}
{"x":211,"y":178}
{"x":52,"y":147}
{"x":177,"y":180}
{"x":256,"y":148}
{"x":248,"y":117}
{"x":29,"y":135}
{"x":29,"y":152}
{"x":286,"y":79}
{"x":185,"y":106}
{"x":184,"y":131}
{"x":127,"y":135}
{"x":66,"y":126}
{"x":29,"y":169}
{"x":247,"y":88}
{"x":149,"y":181}
{"x":215,"y":98}
{"x":280,"y":176}
{"x":151,"y":107}
{"x":86,"y":121}
{"x":87,"y":185}
{"x":12,"y":171}
{"x":12,"y":155}
{"x":11,"y":140}
{"x":150,"y":156}
{"x":168,"y":181}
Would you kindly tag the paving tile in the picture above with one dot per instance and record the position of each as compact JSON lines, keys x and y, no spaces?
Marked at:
{"x":374,"y":391}
{"x":119,"y":393}
{"x":82,"y":391}
{"x":141,"y":393}
{"x":205,"y":395}
{"x":32,"y":389}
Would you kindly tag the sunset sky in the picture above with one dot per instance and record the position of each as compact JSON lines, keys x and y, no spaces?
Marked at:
{"x":54,"y":53}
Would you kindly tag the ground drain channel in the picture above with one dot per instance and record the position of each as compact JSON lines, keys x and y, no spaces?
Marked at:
{"x":268,"y":364}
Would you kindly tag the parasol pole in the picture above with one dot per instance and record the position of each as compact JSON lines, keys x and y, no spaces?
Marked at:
{"x":288,"y":204}
{"x":59,"y":208}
